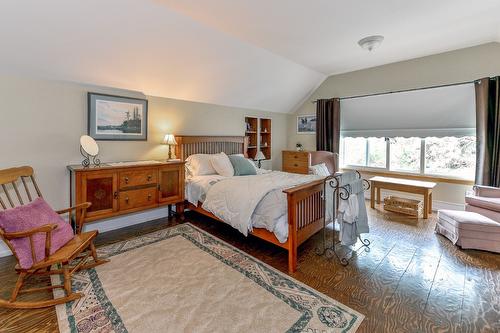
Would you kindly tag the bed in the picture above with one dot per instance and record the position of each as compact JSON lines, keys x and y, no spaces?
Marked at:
{"x":302,"y":202}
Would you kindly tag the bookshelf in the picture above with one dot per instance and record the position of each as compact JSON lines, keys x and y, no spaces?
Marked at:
{"x":258,"y":131}
{"x":265,"y":137}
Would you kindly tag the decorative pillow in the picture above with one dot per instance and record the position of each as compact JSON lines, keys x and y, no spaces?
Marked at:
{"x":24,"y":218}
{"x":222,"y":164}
{"x":319,"y":169}
{"x":199,"y":165}
{"x":242,"y":166}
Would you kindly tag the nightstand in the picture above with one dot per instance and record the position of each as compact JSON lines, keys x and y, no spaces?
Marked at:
{"x":296,"y":161}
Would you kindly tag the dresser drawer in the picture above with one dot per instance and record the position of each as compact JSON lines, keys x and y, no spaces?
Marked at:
{"x":296,"y":162}
{"x":138,"y":177}
{"x":138,"y":198}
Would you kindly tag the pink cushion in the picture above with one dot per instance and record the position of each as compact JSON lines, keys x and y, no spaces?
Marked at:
{"x":483,"y":202}
{"x":487,"y":191}
{"x":469,"y":230}
{"x":494,"y":215}
{"x":35,"y":214}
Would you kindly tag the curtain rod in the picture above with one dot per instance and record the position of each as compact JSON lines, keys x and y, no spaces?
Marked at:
{"x":405,"y":90}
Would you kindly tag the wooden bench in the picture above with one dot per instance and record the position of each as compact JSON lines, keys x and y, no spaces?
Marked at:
{"x":402,"y":185}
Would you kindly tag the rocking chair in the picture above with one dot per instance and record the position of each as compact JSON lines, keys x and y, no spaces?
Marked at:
{"x":80,"y":247}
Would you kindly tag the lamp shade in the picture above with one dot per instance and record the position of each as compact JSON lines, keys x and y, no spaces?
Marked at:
{"x":169,"y":139}
{"x":260,"y":156}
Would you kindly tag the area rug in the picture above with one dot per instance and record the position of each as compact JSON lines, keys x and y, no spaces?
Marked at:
{"x":182,"y":279}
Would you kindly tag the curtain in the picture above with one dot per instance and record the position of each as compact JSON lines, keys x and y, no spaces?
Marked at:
{"x":488,"y":131}
{"x":328,"y":124}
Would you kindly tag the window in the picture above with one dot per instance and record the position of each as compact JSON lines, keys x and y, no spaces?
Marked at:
{"x":405,"y":154}
{"x":453,"y":156}
{"x":354,"y":151}
{"x":377,"y":151}
{"x":368,"y":152}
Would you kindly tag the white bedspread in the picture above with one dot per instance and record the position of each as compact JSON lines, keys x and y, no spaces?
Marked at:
{"x":257,"y":201}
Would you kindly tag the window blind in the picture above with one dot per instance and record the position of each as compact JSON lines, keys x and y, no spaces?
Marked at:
{"x":439,"y":112}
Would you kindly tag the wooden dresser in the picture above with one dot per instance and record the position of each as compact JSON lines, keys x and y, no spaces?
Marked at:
{"x":296,"y":161}
{"x":126,"y":188}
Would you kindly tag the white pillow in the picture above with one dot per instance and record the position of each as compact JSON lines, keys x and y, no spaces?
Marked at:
{"x":319,"y":169}
{"x":222,"y":164}
{"x":199,"y":165}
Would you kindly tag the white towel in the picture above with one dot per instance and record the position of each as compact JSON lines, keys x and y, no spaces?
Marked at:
{"x":348,"y":217}
{"x":350,"y":208}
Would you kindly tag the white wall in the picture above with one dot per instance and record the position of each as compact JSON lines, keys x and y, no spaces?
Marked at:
{"x":450,"y":67}
{"x":41,"y":122}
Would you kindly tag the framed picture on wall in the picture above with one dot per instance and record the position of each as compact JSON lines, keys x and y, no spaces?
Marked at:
{"x":117,"y":118}
{"x":306,"y":124}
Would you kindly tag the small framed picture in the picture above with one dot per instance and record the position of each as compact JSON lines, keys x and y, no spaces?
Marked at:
{"x":306,"y":124}
{"x":117,"y":118}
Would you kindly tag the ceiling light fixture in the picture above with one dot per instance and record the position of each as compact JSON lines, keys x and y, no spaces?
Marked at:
{"x":371,"y":42}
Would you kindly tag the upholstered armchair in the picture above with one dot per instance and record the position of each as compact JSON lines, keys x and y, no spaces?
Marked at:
{"x":484,"y":200}
{"x":329,"y":158}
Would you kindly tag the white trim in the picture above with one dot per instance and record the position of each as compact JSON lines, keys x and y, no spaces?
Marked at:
{"x":436,"y":204}
{"x":127,"y":220}
{"x":409,"y":132}
{"x":4,"y":250}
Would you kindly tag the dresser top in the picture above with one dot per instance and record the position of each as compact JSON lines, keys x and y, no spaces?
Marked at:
{"x":122,"y":165}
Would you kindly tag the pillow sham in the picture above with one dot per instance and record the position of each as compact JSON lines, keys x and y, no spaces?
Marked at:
{"x":319,"y":169}
{"x":222,"y":164}
{"x":32,"y":215}
{"x":199,"y":165}
{"x":242,"y":166}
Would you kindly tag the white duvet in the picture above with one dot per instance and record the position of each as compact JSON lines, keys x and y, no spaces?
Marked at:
{"x":247,"y":202}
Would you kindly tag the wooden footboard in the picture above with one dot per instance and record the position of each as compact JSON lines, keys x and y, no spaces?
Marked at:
{"x":306,"y":209}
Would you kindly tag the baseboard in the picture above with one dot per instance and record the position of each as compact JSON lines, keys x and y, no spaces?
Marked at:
{"x":4,"y":250}
{"x":127,"y":220}
{"x":111,"y":224}
{"x":436,"y":204}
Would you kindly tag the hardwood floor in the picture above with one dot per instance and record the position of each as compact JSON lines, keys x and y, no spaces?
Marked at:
{"x":411,"y":280}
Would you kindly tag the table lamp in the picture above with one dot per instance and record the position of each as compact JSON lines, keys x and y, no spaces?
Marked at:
{"x":259,"y":157}
{"x":169,"y":140}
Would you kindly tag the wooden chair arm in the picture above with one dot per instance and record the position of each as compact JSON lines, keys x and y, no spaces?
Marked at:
{"x":84,"y":205}
{"x":47,"y":229}
{"x":22,"y":234}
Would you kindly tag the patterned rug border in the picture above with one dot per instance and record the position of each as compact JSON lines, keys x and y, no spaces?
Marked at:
{"x":64,"y":312}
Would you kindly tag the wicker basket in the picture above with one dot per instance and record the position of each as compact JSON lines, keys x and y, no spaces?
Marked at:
{"x":404,"y":206}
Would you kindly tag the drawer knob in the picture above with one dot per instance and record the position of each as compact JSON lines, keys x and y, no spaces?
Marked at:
{"x":295,"y":165}
{"x":126,"y":180}
{"x":126,"y":200}
{"x":150,"y":177}
{"x":149,"y":197}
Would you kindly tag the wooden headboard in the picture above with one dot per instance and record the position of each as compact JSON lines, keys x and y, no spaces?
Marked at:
{"x":189,"y":145}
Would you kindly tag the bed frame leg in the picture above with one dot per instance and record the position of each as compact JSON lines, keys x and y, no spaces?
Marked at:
{"x":292,"y":259}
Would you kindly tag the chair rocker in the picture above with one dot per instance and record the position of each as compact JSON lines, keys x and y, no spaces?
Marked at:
{"x":81,"y":247}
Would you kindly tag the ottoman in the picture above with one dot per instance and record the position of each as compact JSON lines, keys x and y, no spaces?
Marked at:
{"x":469,"y":230}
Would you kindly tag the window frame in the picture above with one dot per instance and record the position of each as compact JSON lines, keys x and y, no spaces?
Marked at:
{"x":387,"y":168}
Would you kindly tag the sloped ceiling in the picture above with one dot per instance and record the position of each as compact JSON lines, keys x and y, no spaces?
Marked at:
{"x":323,"y":34}
{"x":258,"y":54}
{"x":143,"y":45}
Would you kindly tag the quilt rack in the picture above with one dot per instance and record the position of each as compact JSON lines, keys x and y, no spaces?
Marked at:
{"x":340,"y":192}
